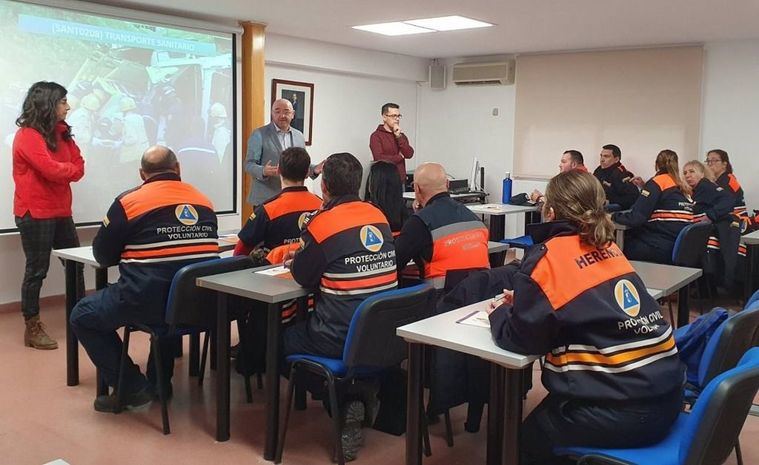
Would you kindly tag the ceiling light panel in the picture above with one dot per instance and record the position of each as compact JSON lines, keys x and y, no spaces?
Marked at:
{"x":448,"y":23}
{"x":393,"y":29}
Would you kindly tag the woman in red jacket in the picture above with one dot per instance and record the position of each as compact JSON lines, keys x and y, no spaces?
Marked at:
{"x":45,"y":161}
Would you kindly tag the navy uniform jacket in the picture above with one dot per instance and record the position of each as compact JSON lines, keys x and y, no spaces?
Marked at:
{"x":730,"y":183}
{"x":278,"y":220}
{"x":444,"y":235}
{"x":348,"y":255}
{"x":711,"y":201}
{"x":585,"y":309}
{"x":152,"y":231}
{"x":659,"y":214}
{"x":617,"y":186}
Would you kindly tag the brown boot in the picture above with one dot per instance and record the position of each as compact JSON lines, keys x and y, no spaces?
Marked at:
{"x":35,"y":335}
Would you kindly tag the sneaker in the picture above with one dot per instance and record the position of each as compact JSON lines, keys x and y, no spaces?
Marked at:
{"x":352,"y":437}
{"x":109,"y":403}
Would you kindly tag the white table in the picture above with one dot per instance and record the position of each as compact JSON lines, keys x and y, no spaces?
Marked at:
{"x":507,"y":372}
{"x":669,"y":279}
{"x":409,"y":196}
{"x":271,"y":290}
{"x":71,"y":257}
{"x":497,"y":213}
{"x":506,"y":378}
{"x":752,"y":242}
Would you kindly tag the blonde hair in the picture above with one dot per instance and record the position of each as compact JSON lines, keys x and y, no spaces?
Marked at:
{"x":703,"y":169}
{"x":667,"y":161}
{"x":579,"y":198}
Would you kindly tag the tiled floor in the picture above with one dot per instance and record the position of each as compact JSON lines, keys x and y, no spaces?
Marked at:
{"x":42,"y":419}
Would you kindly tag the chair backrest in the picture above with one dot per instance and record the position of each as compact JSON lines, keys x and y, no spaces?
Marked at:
{"x":690,"y":245}
{"x":371,"y":340}
{"x":729,"y":342}
{"x":713,"y":426}
{"x":754,"y":300}
{"x":189,"y":305}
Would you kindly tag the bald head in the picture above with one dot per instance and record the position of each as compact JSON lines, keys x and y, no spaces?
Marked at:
{"x":429,"y":180}
{"x":282,"y":114}
{"x":157,"y":160}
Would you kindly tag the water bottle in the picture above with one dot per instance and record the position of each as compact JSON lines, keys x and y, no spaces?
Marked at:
{"x":506,"y":188}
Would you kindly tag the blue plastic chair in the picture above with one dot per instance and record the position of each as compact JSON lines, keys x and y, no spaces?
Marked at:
{"x":371,"y":346}
{"x":187,"y":312}
{"x":753,"y":301}
{"x":521,"y":242}
{"x":704,"y":436}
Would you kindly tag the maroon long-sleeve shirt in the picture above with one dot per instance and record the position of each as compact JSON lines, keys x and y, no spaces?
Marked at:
{"x":386,"y":147}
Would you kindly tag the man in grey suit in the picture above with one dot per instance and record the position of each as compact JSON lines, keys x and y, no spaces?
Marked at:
{"x":264,"y":148}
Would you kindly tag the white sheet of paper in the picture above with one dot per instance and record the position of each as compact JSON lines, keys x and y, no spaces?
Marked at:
{"x":277,"y":270}
{"x":479,"y":318}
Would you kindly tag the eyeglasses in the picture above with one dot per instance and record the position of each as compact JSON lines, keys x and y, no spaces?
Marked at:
{"x":398,"y":116}
{"x":712,"y":161}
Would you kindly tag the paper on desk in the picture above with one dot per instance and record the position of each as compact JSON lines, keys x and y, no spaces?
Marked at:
{"x":477,"y":318}
{"x":276,"y":271}
{"x":230,"y":238}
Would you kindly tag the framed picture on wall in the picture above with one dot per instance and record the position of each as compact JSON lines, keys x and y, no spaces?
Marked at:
{"x":301,"y":95}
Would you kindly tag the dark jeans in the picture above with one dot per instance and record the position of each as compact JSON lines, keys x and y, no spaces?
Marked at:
{"x":573,"y":422}
{"x":637,"y":249}
{"x":38,"y":239}
{"x":95,"y":320}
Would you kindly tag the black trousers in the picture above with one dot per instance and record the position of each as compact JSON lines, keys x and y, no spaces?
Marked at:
{"x":38,"y":238}
{"x":561,"y":421}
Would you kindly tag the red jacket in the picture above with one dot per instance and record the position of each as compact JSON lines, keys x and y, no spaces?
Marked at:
{"x":42,"y":177}
{"x":386,"y":147}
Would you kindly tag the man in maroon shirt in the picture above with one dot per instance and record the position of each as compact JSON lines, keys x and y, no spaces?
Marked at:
{"x":388,"y":143}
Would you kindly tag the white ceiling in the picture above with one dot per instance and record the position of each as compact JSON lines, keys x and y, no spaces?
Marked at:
{"x":521,"y":26}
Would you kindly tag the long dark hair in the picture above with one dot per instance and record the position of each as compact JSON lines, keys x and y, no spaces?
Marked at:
{"x":39,"y":111}
{"x":666,"y":162}
{"x":724,"y":157}
{"x":384,"y":189}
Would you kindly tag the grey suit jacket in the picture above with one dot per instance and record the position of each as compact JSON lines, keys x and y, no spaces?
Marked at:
{"x":264,"y":146}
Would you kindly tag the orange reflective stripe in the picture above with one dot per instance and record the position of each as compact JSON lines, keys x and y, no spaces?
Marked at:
{"x":343,"y":217}
{"x":732,"y":181}
{"x":664,"y":181}
{"x":595,"y":358}
{"x":159,"y":194}
{"x":360,"y":283}
{"x":165,"y":252}
{"x":679,"y":216}
{"x":290,"y":202}
{"x":586,"y":266}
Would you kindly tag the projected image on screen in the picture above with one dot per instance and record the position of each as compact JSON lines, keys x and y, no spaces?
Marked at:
{"x":131,"y":85}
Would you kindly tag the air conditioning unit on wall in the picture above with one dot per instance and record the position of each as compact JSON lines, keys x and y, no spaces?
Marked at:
{"x":467,"y":74}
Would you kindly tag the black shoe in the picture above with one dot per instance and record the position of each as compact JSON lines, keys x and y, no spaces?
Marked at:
{"x":109,"y":403}
{"x":352,"y":437}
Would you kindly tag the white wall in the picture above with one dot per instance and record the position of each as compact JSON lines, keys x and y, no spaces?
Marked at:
{"x":730,"y":109}
{"x":457,"y":124}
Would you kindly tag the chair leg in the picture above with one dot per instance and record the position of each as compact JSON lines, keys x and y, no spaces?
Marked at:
{"x":162,"y":387}
{"x":672,"y":320}
{"x":122,"y":367}
{"x":259,"y":381}
{"x":213,"y":350}
{"x":203,"y":358}
{"x":426,"y":437}
{"x":248,"y":389}
{"x":241,"y":352}
{"x":738,"y":454}
{"x":286,"y":420}
{"x":448,"y":428}
{"x":336,"y":420}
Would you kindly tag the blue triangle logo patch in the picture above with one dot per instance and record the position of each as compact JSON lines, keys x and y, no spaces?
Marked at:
{"x":371,"y":238}
{"x":629,"y":298}
{"x":186,"y":214}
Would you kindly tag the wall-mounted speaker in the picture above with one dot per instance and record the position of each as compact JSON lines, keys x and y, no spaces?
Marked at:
{"x":437,"y":76}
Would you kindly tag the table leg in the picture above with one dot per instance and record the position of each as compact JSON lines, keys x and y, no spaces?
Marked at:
{"x":222,"y":368}
{"x":683,"y":309}
{"x":495,"y":416}
{"x":72,"y":346}
{"x":273,"y":327}
{"x":194,"y":359}
{"x":750,"y":285}
{"x":620,"y":239}
{"x":300,"y":391}
{"x":497,"y":227}
{"x":101,"y":281}
{"x":414,"y":405}
{"x":512,"y":421}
